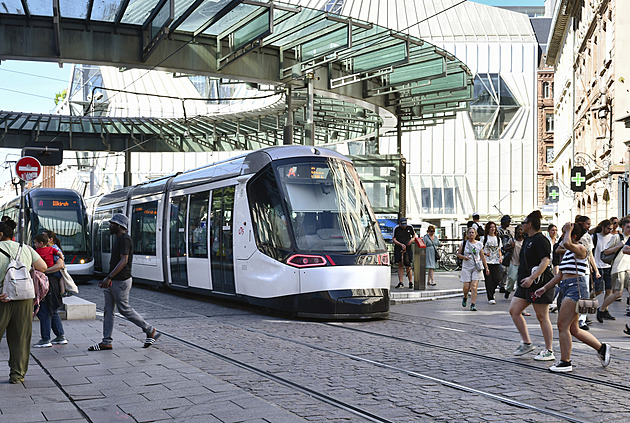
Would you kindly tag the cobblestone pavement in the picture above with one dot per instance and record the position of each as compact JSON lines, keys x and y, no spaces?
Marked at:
{"x":431,"y":361}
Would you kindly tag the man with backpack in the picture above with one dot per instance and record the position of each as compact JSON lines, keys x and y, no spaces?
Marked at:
{"x":620,"y":270}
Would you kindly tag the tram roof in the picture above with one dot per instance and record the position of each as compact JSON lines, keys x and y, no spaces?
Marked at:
{"x":364,"y":74}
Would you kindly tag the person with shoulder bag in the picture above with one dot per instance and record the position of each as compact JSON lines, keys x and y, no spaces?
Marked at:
{"x":571,"y":280}
{"x":492,"y":251}
{"x":473,"y":264}
{"x":533,"y":272}
{"x":16,"y":316}
{"x":432,"y":256}
{"x":620,"y":269}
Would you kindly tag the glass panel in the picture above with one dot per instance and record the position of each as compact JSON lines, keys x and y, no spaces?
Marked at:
{"x":437,"y":194}
{"x":202,"y":14}
{"x":161,"y":19}
{"x":181,"y":6}
{"x":493,"y":107}
{"x":449,"y":195}
{"x":328,"y":208}
{"x":138,"y":11}
{"x":325,"y":44}
{"x":40,"y":8}
{"x":232,"y":18}
{"x":418,"y":71}
{"x":73,"y":9}
{"x":11,"y":6}
{"x":198,"y":225}
{"x":252,"y":30}
{"x":460,"y":187}
{"x":382,"y":57}
{"x":448,"y":83}
{"x":333,"y":6}
{"x":425,"y":190}
{"x":177,"y":233}
{"x":105,"y":10}
{"x":143,"y":228}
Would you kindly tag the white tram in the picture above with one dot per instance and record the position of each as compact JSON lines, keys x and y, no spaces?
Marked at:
{"x":285,"y":228}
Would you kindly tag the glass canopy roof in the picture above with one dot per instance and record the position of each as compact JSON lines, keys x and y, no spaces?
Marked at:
{"x":361,"y":69}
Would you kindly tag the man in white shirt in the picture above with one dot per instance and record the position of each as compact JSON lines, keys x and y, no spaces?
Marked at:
{"x":601,"y":239}
{"x":620,"y":270}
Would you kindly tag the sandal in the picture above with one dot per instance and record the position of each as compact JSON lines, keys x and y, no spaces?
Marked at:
{"x":155,"y":335}
{"x":524,"y":313}
{"x":100,"y":347}
{"x":626,"y":330}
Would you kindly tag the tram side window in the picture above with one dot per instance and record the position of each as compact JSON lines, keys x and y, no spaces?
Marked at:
{"x":198,"y":225}
{"x":143,"y":228}
{"x":268,"y":217}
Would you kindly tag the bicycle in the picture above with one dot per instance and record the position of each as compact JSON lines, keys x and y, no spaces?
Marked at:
{"x":447,"y":261}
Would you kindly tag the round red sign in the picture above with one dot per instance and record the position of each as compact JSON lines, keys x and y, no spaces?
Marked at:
{"x":28,"y":168}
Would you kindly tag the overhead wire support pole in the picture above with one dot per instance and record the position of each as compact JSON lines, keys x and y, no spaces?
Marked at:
{"x":309,"y":129}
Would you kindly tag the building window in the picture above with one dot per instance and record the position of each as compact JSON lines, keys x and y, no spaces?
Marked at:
{"x":549,"y":122}
{"x":549,"y":154}
{"x":546,"y":90}
{"x":493,"y":107}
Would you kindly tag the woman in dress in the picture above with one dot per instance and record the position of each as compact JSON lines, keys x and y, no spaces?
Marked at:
{"x":473,"y":264}
{"x":534,"y":261}
{"x":573,"y":286}
{"x":492,"y":251}
{"x":432,"y":242}
{"x":16,"y":317}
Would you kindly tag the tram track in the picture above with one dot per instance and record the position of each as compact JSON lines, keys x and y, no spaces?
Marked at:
{"x":363,"y":413}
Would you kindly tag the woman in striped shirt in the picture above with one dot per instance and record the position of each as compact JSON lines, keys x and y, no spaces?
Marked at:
{"x":573,"y":286}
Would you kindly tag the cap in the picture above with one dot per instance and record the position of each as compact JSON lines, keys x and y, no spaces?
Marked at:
{"x":475,"y":215}
{"x":403,"y":220}
{"x":120,"y":219}
{"x":506,"y":218}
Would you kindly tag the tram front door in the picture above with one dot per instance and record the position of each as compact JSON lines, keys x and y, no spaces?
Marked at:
{"x":222,"y":257}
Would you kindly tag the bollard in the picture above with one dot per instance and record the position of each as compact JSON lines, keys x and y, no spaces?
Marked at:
{"x":420,"y":265}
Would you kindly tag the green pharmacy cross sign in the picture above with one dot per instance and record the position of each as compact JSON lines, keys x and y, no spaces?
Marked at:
{"x":578,"y":179}
{"x":554,"y":194}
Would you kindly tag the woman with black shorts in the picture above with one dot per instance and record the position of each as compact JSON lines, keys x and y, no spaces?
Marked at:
{"x":534,"y":263}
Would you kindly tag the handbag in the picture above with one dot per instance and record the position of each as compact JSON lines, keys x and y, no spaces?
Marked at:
{"x":585,"y":306}
{"x":610,"y":258}
{"x":17,"y":281}
{"x":68,"y":282}
{"x":546,"y":276}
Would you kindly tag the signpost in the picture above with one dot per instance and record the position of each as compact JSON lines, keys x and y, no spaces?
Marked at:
{"x":578,"y":179}
{"x":554,"y":194}
{"x":27,"y":169}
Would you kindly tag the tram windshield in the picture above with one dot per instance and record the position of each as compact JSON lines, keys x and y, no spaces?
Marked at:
{"x":328,"y":208}
{"x":62,"y":214}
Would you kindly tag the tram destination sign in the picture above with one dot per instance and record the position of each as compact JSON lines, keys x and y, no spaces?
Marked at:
{"x":28,"y":168}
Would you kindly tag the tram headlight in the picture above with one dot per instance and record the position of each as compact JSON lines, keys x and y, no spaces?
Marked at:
{"x":82,"y":261}
{"x":305,"y":260}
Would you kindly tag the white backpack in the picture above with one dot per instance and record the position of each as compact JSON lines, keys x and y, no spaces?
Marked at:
{"x":17,"y":283}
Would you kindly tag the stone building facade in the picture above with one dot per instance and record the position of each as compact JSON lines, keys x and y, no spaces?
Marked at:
{"x":592,"y":93}
{"x":546,"y":121}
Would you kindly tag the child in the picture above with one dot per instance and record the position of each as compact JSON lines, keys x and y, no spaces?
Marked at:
{"x":48,"y":253}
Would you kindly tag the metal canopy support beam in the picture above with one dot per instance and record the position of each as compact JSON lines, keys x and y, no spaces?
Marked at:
{"x":27,"y":12}
{"x":288,"y":128}
{"x":127,"y":175}
{"x":57,"y":26}
{"x":121,"y":12}
{"x":309,"y":126}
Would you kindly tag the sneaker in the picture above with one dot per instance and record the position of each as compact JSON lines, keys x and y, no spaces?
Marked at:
{"x":410,"y":285}
{"x":524,"y":348}
{"x":100,"y":347}
{"x":60,"y":340}
{"x":507,"y":295}
{"x":154,"y":336}
{"x":604,"y":354}
{"x":607,"y":315}
{"x":400,"y":285}
{"x":464,"y":301}
{"x":472,"y":307}
{"x":492,"y":302}
{"x":42,"y":343}
{"x":552,"y":308}
{"x":562,"y":367}
{"x":584,"y":326}
{"x":600,"y":316}
{"x":545,"y":355}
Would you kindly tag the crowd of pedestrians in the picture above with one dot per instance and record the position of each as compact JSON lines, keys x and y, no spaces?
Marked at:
{"x":16,"y":316}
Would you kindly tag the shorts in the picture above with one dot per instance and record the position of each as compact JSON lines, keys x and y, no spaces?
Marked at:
{"x":573,"y":288}
{"x":604,"y":282}
{"x":621,"y":280}
{"x":469,"y":274}
{"x":398,"y":255}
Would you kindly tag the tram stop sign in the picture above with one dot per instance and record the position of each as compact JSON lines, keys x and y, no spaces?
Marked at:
{"x":578,"y":179}
{"x":28,"y":168}
{"x":554,"y":194}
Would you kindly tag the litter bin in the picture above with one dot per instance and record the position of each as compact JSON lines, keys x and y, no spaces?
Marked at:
{"x":420,"y":265}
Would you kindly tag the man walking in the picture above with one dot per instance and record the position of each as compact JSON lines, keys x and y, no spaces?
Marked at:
{"x":117,"y":284}
{"x":507,"y":247}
